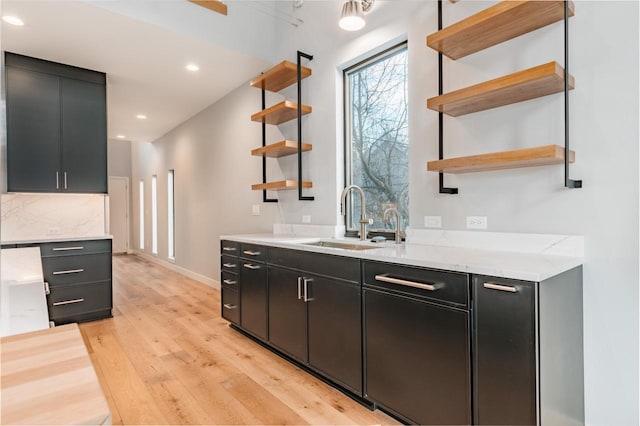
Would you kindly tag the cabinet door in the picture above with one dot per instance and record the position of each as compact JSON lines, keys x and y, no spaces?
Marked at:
{"x":287,"y":314}
{"x":33,"y":131}
{"x":84,"y":137}
{"x":417,"y":359}
{"x":335,"y":330}
{"x":505,"y":352}
{"x":253,"y":298}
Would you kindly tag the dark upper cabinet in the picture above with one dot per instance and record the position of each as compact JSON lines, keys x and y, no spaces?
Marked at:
{"x":33,"y":130}
{"x":84,"y":136}
{"x":56,"y":127}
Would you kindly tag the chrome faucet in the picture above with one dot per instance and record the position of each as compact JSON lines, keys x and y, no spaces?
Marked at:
{"x":363,"y":214}
{"x":393,"y":210}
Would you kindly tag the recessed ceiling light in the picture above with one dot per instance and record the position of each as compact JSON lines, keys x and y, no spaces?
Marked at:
{"x":141,"y":116}
{"x":13,"y":20}
{"x":120,"y":136}
{"x":192,"y":67}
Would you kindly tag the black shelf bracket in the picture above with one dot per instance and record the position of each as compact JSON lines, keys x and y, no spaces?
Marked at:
{"x":265,"y":199}
{"x":568,"y":182}
{"x":442,"y":188}
{"x":310,"y":58}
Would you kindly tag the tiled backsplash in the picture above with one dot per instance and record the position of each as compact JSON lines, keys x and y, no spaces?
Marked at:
{"x":37,"y":216}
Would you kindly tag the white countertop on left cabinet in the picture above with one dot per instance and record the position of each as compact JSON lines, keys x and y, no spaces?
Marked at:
{"x":23,"y":303}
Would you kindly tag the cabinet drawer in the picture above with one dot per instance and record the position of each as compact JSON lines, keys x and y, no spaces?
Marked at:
{"x":229,"y":280}
{"x":230,"y":248}
{"x":73,"y":248}
{"x":345,"y":268}
{"x":254,"y":252}
{"x":79,"y":299}
{"x":448,"y":287}
{"x":229,"y":264}
{"x":66,"y":270}
{"x":230,"y":305}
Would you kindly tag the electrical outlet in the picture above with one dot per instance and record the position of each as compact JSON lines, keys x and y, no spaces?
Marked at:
{"x":433,"y":221}
{"x":255,"y":210}
{"x":476,"y":222}
{"x":306,"y":219}
{"x":54,"y":231}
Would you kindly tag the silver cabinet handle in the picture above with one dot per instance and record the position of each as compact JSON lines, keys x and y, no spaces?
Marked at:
{"x":68,"y":248}
{"x":70,"y":271}
{"x":229,"y":265}
{"x":229,"y":306}
{"x":250,"y":266}
{"x":57,"y":180}
{"x":251,"y":253}
{"x":230,"y":282}
{"x":299,"y":288}
{"x":229,"y":248}
{"x":65,"y":180}
{"x":499,"y":287}
{"x":47,"y":291}
{"x":387,"y":279}
{"x":68,"y":302}
{"x":305,"y":295}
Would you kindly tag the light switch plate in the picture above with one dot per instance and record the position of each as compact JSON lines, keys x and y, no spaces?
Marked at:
{"x":433,"y":221}
{"x":306,"y":219}
{"x":476,"y":222}
{"x":255,"y":210}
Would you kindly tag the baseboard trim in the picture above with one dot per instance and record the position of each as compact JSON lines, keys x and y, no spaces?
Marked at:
{"x":179,"y":269}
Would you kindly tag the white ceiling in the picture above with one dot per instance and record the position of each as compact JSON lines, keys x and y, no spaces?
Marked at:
{"x":144,"y":62}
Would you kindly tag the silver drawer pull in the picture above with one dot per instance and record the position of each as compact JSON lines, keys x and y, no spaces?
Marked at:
{"x":229,"y":306}
{"x":391,"y":280}
{"x":70,"y":271}
{"x":250,"y":266}
{"x":68,"y":248}
{"x":68,"y":302}
{"x":229,"y":248}
{"x":47,"y":291}
{"x":230,"y":282}
{"x":229,"y":265}
{"x":251,"y":253}
{"x":499,"y":287}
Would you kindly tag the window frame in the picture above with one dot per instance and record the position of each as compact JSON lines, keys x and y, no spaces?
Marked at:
{"x":154,"y":214}
{"x":352,"y":230}
{"x":141,"y":213}
{"x":171,"y":215}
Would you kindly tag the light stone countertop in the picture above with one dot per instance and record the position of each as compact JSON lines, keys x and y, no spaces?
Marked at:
{"x":506,"y":264}
{"x":58,"y":239}
{"x":23,"y":306}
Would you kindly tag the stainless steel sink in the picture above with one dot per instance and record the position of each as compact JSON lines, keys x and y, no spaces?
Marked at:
{"x":342,"y":245}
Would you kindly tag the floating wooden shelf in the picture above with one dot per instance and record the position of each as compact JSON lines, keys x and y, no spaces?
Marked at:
{"x":280,"y":185}
{"x":280,"y":149}
{"x":528,"y":157}
{"x":501,"y":22}
{"x":280,"y":113}
{"x":521,"y":86}
{"x":215,"y":5}
{"x":282,"y":75}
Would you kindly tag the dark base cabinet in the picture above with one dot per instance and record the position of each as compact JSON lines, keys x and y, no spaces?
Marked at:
{"x":528,"y":360}
{"x":417,"y":353}
{"x":287,"y":314}
{"x":430,"y":347}
{"x":79,"y":276}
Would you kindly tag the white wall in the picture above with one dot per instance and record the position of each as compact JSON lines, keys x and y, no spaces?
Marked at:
{"x":213,"y":175}
{"x":604,"y":133}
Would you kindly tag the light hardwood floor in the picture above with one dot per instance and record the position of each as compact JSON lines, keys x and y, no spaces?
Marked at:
{"x":167,"y":357}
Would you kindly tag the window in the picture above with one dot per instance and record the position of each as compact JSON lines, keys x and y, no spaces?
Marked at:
{"x":141,"y":214}
{"x":154,"y":214}
{"x":376,"y":136}
{"x":170,"y":217}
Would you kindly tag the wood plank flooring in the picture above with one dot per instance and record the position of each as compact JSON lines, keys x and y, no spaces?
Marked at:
{"x":167,"y":357}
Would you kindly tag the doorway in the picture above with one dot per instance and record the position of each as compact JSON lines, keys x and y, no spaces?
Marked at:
{"x":119,"y":213}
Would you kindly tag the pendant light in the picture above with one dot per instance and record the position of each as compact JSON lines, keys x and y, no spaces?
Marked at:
{"x":352,"y":16}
